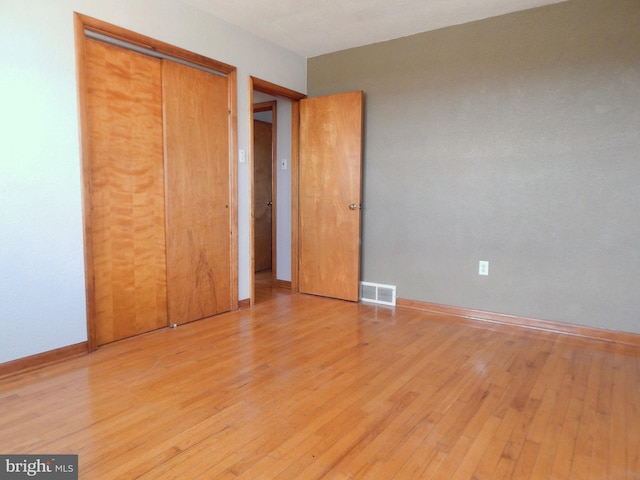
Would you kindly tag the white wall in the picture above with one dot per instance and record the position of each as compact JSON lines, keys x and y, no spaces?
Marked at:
{"x":283,"y":179}
{"x":42,"y":294}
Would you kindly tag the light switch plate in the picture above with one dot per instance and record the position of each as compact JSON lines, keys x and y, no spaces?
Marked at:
{"x":483,"y":267}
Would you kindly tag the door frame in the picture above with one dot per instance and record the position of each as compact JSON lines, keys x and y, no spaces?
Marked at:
{"x":263,"y":86}
{"x":82,"y":24}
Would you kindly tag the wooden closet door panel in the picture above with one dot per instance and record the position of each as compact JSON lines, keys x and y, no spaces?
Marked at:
{"x":124,"y":116}
{"x":196,"y":109}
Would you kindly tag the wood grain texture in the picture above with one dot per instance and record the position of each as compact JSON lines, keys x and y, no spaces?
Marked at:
{"x":124,"y":121}
{"x":232,"y":101}
{"x":330,"y":166}
{"x":118,"y":33}
{"x":40,"y":360}
{"x":197,"y":136}
{"x":304,"y":387}
{"x":82,"y":24}
{"x":263,"y":197}
{"x":295,"y":196}
{"x":275,"y":90}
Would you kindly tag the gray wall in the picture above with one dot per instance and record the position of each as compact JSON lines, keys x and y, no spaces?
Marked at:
{"x":514,"y":140}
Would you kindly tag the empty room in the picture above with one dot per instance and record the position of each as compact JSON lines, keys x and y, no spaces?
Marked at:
{"x":303,"y":240}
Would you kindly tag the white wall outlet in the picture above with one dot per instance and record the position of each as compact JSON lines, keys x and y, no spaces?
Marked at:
{"x":283,"y":164}
{"x":483,"y":267}
{"x":242,"y":155}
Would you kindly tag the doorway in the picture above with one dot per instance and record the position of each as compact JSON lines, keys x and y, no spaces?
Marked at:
{"x":264,"y":198}
{"x":281,"y":105}
{"x":325,"y":195}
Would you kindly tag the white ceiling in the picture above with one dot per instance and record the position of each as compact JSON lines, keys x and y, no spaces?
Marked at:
{"x":315,"y":27}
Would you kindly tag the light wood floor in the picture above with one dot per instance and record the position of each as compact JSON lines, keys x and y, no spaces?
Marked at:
{"x":303,"y":387}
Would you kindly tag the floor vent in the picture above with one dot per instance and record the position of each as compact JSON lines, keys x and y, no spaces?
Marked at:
{"x":378,"y":293}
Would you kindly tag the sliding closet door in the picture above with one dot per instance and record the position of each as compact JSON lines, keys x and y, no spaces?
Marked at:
{"x":124,"y":120}
{"x":197,"y":122}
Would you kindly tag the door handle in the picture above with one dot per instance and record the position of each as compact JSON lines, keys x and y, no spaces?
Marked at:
{"x":269,"y":203}
{"x":353,"y":206}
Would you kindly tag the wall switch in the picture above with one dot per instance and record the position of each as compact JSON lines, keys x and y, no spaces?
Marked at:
{"x":283,"y":164}
{"x":242,"y":155}
{"x":483,"y":267}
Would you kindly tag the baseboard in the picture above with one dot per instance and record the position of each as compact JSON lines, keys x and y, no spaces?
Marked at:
{"x":283,"y":284}
{"x":591,"y":333}
{"x":40,"y":360}
{"x":246,"y":303}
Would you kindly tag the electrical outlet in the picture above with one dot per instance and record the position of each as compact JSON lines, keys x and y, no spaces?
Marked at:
{"x":483,"y":267}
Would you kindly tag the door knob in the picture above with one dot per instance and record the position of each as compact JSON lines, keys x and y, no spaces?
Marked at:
{"x":353,"y":206}
{"x":269,"y":203}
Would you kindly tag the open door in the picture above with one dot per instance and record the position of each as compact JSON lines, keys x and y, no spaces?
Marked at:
{"x":330,"y":173}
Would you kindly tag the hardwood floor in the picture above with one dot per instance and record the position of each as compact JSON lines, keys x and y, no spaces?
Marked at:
{"x":302,"y":387}
{"x":264,"y":289}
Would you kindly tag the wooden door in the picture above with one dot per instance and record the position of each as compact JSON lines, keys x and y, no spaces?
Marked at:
{"x":262,"y":194}
{"x":199,"y":219}
{"x":124,"y":128}
{"x":330,"y":162}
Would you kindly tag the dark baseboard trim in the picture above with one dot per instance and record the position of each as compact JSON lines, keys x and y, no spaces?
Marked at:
{"x":591,"y":333}
{"x":40,"y":360}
